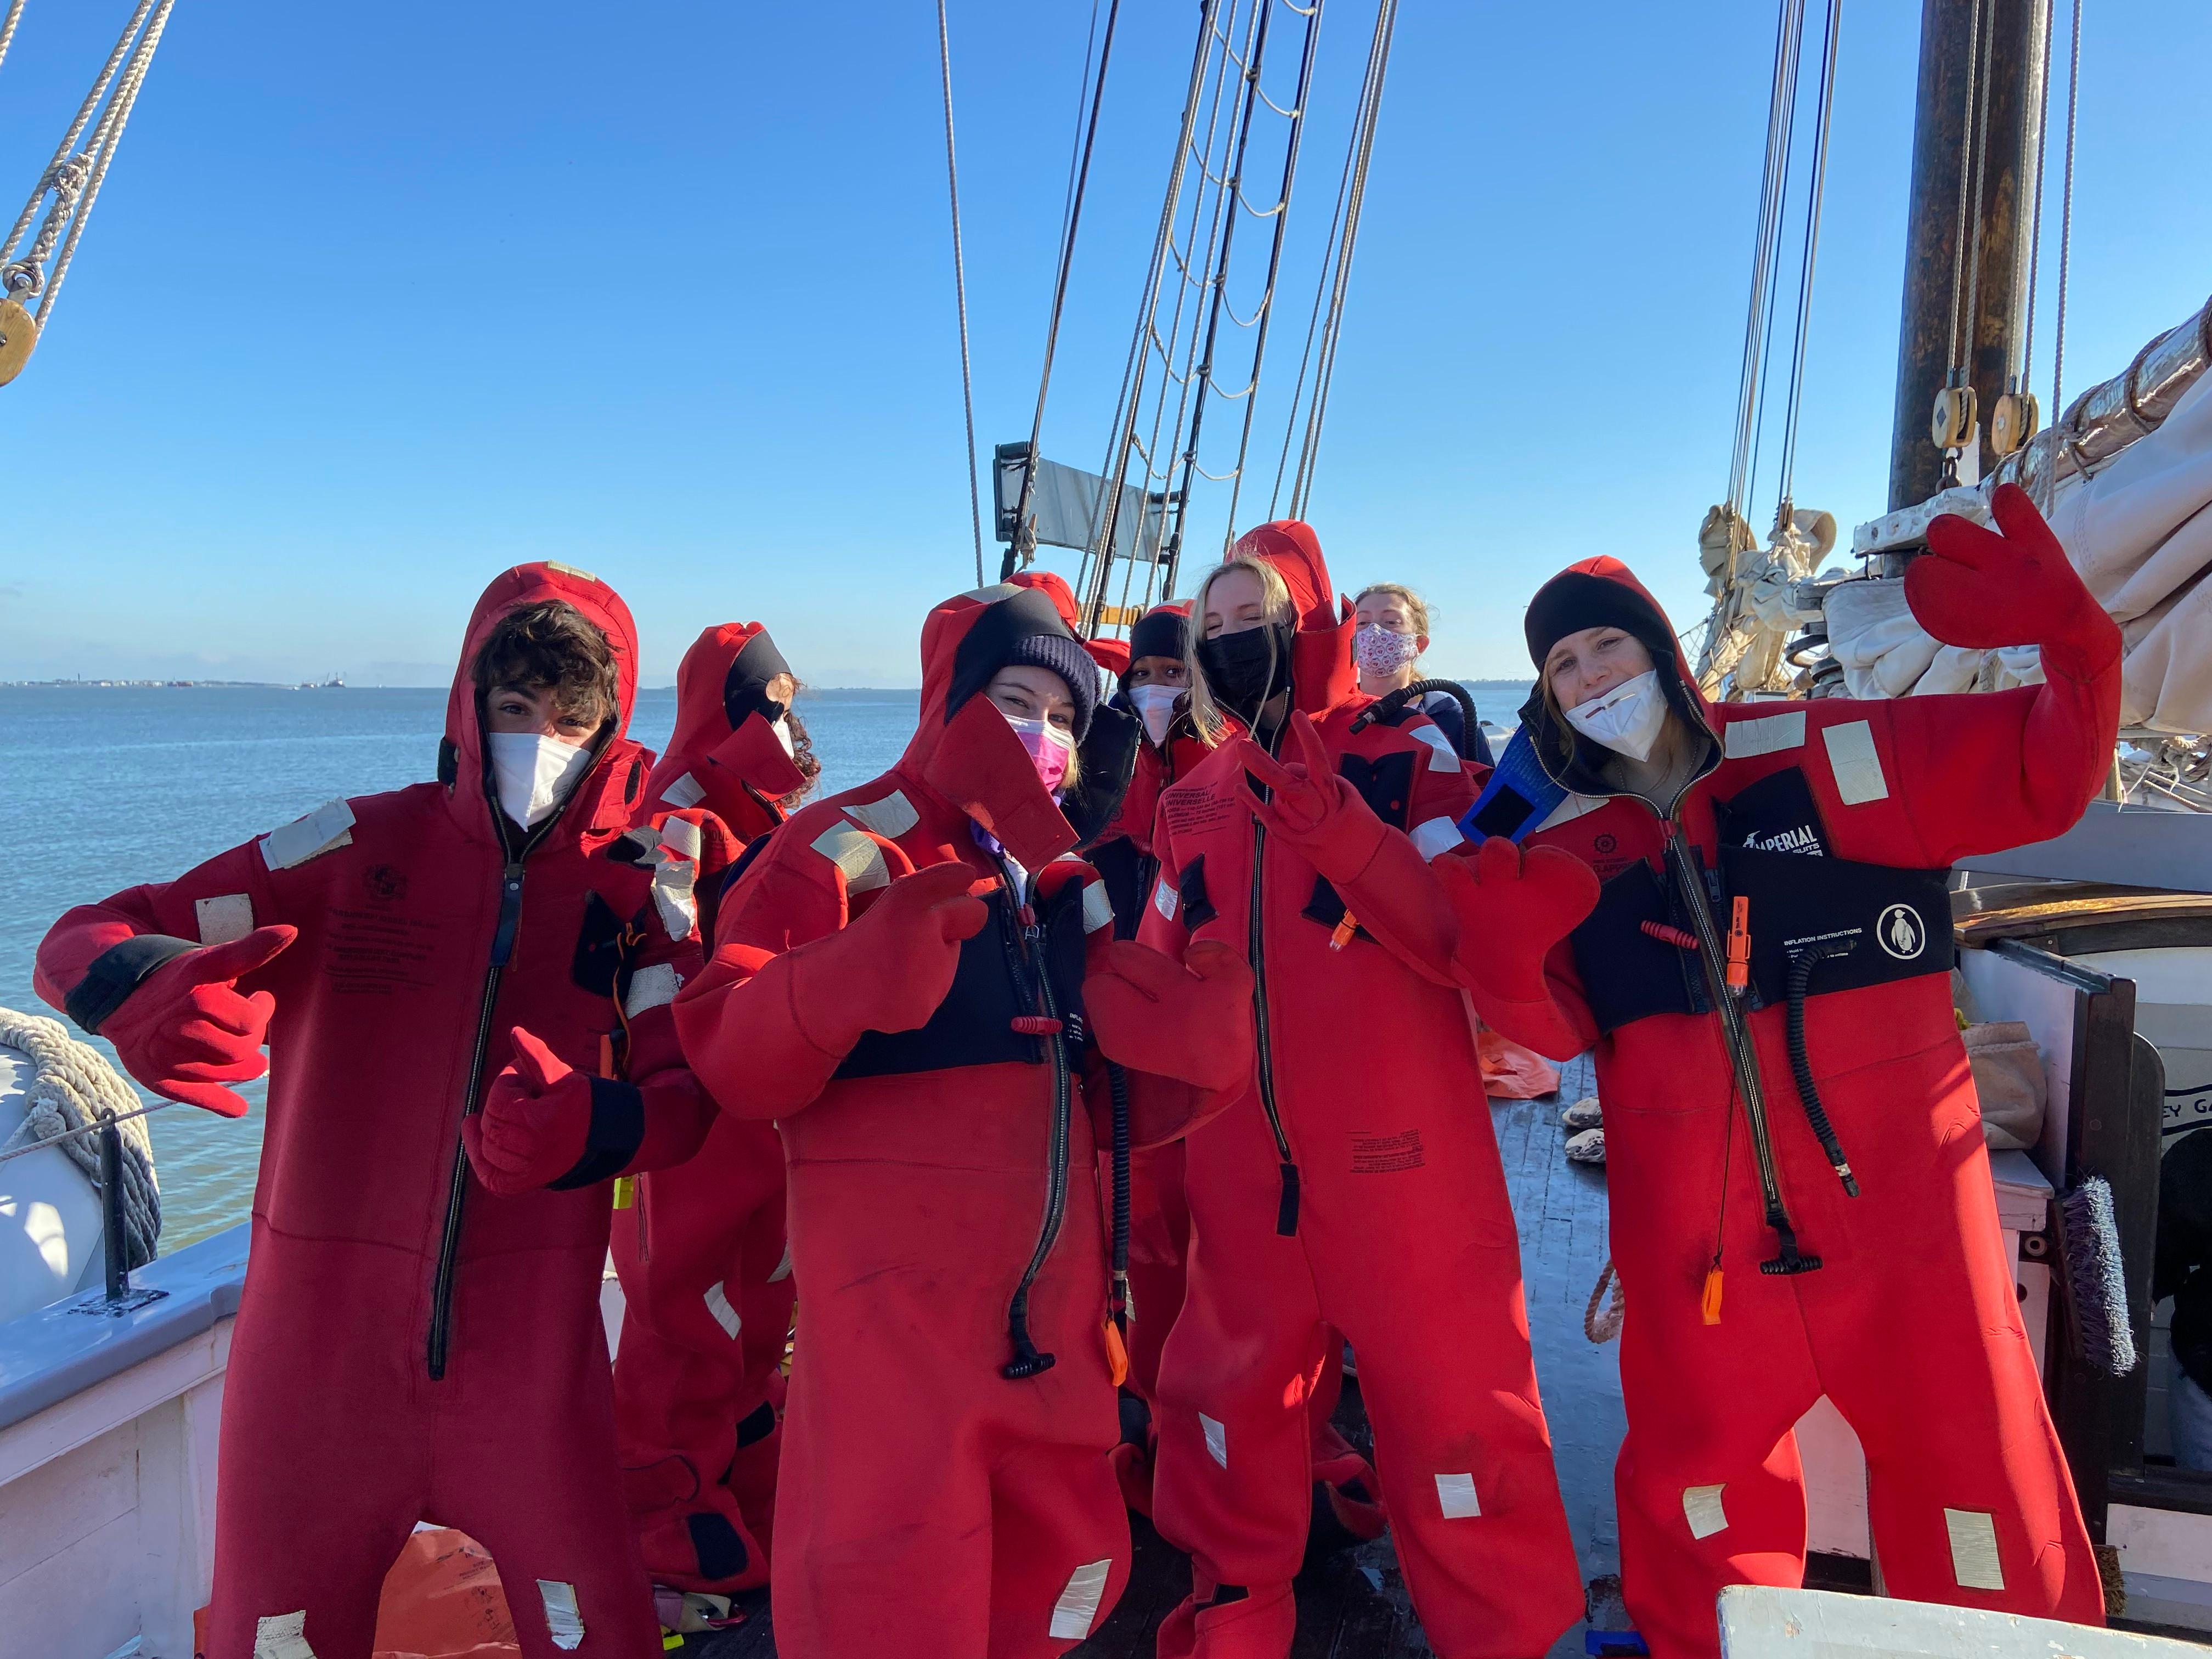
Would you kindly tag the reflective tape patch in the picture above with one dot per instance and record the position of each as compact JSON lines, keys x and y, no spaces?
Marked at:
{"x":1164,"y":900}
{"x":585,"y":576}
{"x":1079,"y":1603}
{"x":854,"y":854}
{"x":994,"y":593}
{"x":1442,"y":757}
{"x":783,"y":1267}
{"x":1852,"y":758}
{"x":1456,"y":1493}
{"x":718,"y":1304}
{"x":1098,"y":908}
{"x":563,"y":1622}
{"x":1437,"y":835}
{"x":686,"y":790}
{"x":673,"y":897}
{"x":1974,"y":1561}
{"x":889,"y":818}
{"x":682,"y":835}
{"x":652,"y":987}
{"x":282,"y":1636}
{"x":1217,"y":1438}
{"x":225,"y":920}
{"x":329,"y":826}
{"x":1701,"y":1507}
{"x":1743,"y":739}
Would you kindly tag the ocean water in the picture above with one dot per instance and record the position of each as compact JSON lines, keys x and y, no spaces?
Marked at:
{"x":109,"y":786}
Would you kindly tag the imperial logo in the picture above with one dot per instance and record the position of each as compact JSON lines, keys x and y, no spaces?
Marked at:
{"x":1803,"y":839}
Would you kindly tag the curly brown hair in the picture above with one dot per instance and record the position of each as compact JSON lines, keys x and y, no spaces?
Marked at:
{"x":551,"y":645}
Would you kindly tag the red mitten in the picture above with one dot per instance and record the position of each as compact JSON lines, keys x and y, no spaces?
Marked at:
{"x":1190,"y":1021}
{"x":888,"y":971}
{"x":1514,"y":905}
{"x":187,"y":1031}
{"x":536,"y":1121}
{"x":1984,"y":588}
{"x":1311,"y":807}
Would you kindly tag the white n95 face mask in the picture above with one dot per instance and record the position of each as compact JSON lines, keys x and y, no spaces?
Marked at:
{"x":1155,"y":706}
{"x":1626,"y":719}
{"x":534,"y":774}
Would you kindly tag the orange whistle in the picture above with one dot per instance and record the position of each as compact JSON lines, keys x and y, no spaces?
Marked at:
{"x":1739,"y":946}
{"x":1710,"y":1304}
{"x":1345,"y":929}
{"x":1117,"y":1356}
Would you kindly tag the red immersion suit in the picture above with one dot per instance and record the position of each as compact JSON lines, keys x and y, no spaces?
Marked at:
{"x":707,"y":1286}
{"x":927,"y":1055}
{"x":1837,"y":820}
{"x":1356,"y":1185}
{"x":411,"y":1344}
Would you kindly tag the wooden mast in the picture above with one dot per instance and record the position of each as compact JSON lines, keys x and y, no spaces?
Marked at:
{"x":2007,"y":55}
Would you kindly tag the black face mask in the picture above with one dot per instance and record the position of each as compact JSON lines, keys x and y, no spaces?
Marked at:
{"x":1244,"y":670}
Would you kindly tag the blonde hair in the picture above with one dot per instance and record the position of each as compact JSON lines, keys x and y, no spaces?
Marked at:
{"x":1206,"y":715}
{"x":1416,"y":606}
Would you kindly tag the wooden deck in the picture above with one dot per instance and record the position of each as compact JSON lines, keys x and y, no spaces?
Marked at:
{"x":1353,"y":1604}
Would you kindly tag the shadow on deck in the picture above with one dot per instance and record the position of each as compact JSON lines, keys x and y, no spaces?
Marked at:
{"x":1353,"y":1604}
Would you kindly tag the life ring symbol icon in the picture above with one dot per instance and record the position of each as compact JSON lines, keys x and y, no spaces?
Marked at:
{"x":1901,"y":932}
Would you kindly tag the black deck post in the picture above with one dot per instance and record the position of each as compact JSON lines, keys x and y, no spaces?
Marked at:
{"x":110,"y":1208}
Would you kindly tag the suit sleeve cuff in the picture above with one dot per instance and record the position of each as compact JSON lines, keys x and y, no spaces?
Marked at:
{"x":116,"y":973}
{"x":617,"y":1130}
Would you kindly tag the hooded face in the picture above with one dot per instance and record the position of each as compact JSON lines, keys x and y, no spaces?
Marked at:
{"x":732,"y":710}
{"x":597,"y":802}
{"x":966,"y":749}
{"x":1593,"y":633}
{"x":1322,"y":674}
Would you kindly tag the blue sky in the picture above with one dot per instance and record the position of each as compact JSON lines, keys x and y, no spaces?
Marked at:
{"x":378,"y":301}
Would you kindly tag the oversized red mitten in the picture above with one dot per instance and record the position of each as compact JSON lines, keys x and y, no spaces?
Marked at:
{"x":187,"y":1031}
{"x":1984,"y":588}
{"x":1514,"y":905}
{"x":888,"y":971}
{"x":536,"y":1121}
{"x":1190,"y":1021}
{"x":1311,"y":807}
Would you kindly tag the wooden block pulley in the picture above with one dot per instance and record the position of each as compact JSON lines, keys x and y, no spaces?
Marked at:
{"x":19,"y":334}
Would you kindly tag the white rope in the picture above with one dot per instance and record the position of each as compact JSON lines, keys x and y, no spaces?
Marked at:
{"x":2066,"y":221}
{"x":74,"y":177}
{"x":8,"y":28}
{"x":71,"y":1087}
{"x":960,"y":290}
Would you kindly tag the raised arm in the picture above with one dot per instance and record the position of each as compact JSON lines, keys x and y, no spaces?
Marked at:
{"x":1515,"y":906}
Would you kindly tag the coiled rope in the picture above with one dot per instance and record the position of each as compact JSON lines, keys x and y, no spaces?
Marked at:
{"x":71,"y":1085}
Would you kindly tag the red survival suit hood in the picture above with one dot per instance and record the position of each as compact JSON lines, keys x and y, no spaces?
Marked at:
{"x":1596,"y":593}
{"x":964,"y":749}
{"x":600,"y":806}
{"x":1322,"y":674}
{"x":724,"y":754}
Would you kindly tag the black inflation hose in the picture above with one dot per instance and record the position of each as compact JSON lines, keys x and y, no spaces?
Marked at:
{"x":1388,"y":705}
{"x":1802,"y":964}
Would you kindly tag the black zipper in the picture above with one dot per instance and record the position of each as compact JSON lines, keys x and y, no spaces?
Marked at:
{"x":502,"y":948}
{"x":1029,"y":953}
{"x":1286,"y":1208}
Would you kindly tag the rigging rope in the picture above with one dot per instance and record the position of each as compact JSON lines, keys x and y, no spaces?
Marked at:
{"x":1073,"y":221}
{"x":75,"y":178}
{"x":2066,"y":220}
{"x":1811,"y":252}
{"x":1780,"y":114}
{"x":8,"y":28}
{"x":2035,"y":218}
{"x":960,"y":289}
{"x":1965,"y":171}
{"x":1794,"y":49}
{"x":71,"y":1087}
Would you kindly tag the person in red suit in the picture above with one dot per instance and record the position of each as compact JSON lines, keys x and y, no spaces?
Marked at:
{"x":1351,"y":1188}
{"x":706,"y":1282}
{"x":1801,"y":1199}
{"x":923,"y":994}
{"x":484,"y":962}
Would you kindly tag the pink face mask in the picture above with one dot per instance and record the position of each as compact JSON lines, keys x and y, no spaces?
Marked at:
{"x":1049,"y":748}
{"x":1379,"y":651}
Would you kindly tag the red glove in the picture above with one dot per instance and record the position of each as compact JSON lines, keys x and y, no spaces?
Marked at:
{"x":187,"y":1031}
{"x":889,"y":969}
{"x":1981,"y":589}
{"x":1514,"y":905}
{"x":1311,"y":807}
{"x":1190,"y":1021}
{"x":536,"y":1121}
